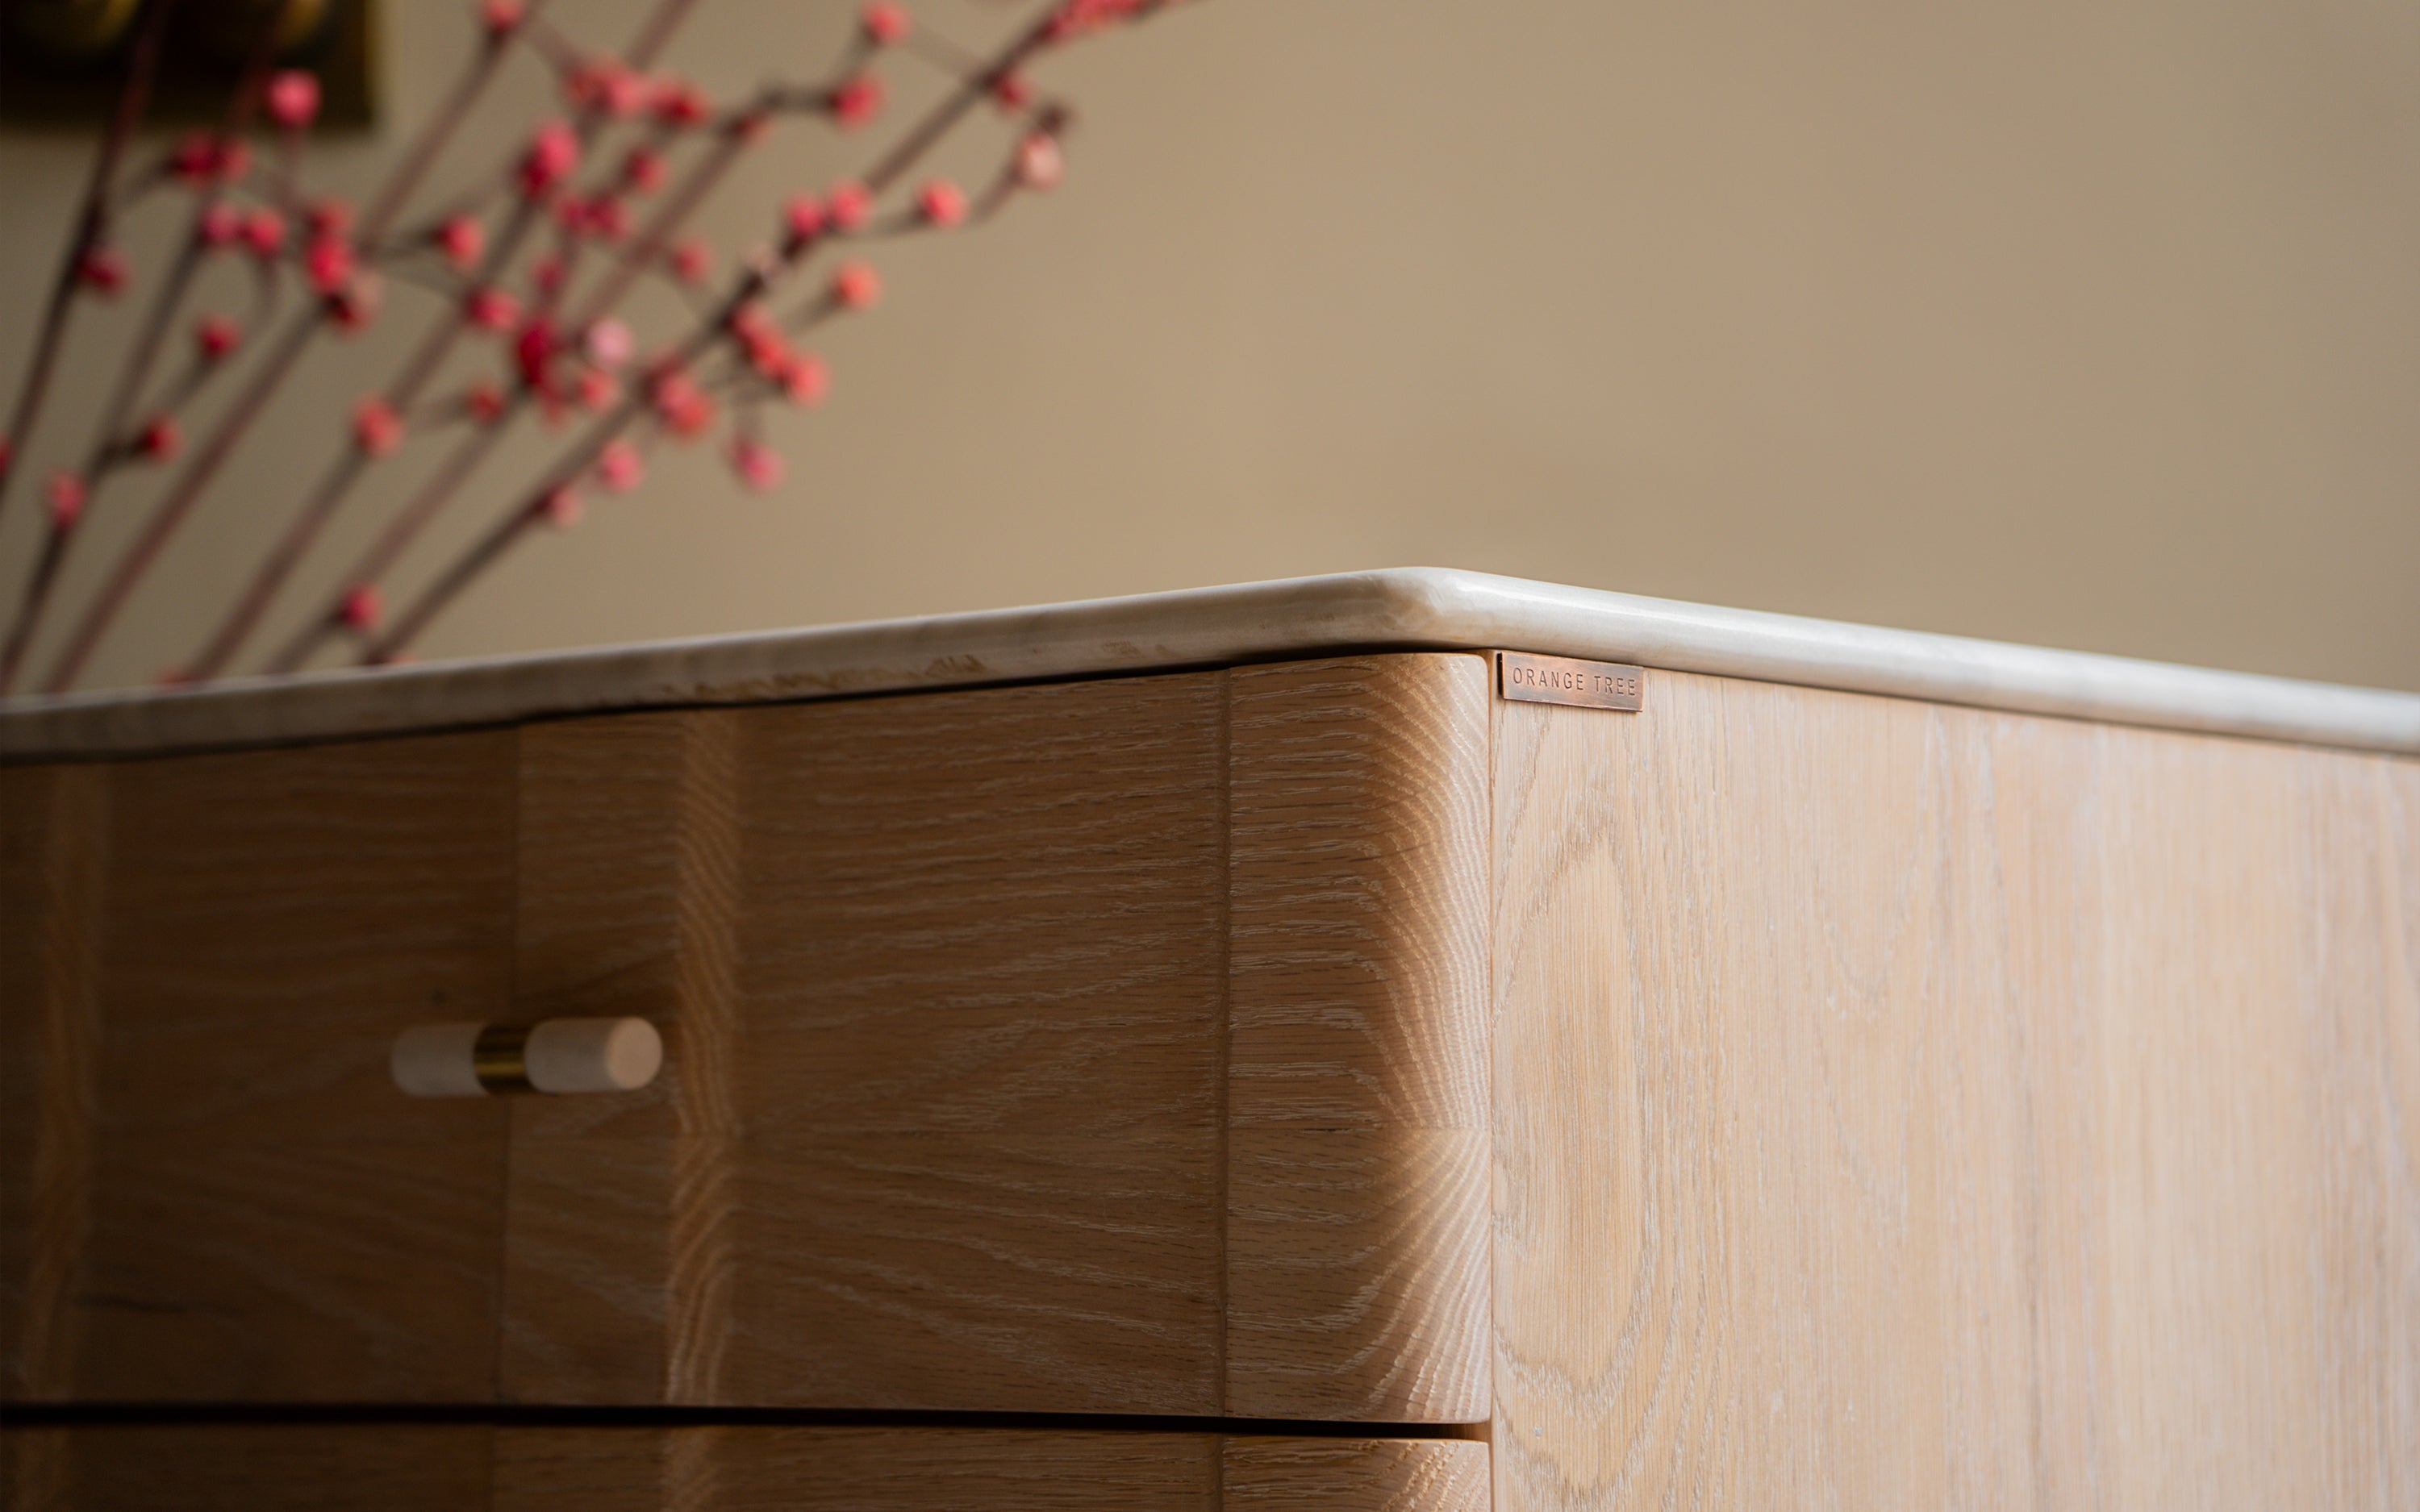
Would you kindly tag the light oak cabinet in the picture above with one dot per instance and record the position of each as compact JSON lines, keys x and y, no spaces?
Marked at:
{"x":1305,"y":1080}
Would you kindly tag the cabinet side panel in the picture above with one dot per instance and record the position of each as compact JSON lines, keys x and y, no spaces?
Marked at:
{"x":2258,"y":1087}
{"x":1356,"y":1080}
{"x":54,"y":849}
{"x":1906,"y":1107}
{"x":981,"y":996}
{"x":1278,"y":1474}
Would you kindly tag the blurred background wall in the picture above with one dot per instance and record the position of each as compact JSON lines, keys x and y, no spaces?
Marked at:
{"x":2088,"y":324}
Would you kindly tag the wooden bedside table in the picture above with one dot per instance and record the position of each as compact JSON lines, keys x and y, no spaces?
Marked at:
{"x":1254,"y":1047}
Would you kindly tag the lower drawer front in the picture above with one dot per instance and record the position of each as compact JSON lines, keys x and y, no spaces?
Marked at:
{"x":269,"y":1468}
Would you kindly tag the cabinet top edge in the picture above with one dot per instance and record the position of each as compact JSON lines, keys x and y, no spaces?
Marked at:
{"x":1408,"y":609}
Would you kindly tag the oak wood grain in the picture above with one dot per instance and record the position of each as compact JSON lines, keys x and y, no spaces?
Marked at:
{"x":36,"y":1468}
{"x":268,"y":1218}
{"x":251,"y":1468}
{"x":931,"y":1470}
{"x":1282,"y":1475}
{"x":54,"y":849}
{"x":950,"y":998}
{"x":617,"y":1253}
{"x":1357,"y":1253}
{"x":860,"y":1469}
{"x":938,"y":1125}
{"x":939,"y":1119}
{"x":54,"y":844}
{"x":1900,"y":1105}
{"x":1108,"y":1047}
{"x":981,"y":988}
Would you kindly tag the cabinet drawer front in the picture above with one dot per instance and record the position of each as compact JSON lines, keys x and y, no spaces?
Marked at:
{"x":387,"y":1467}
{"x":1108,"y":1047}
{"x":217,"y":1194}
{"x":1111,"y":1046}
{"x":223,"y":1468}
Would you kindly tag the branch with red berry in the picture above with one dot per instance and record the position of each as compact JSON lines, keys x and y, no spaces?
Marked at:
{"x":539,"y":258}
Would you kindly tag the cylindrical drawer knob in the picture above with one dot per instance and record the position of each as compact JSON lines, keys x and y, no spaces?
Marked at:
{"x":556,"y":1055}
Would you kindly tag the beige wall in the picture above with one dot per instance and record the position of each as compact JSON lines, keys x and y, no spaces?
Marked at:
{"x":2093,"y":325}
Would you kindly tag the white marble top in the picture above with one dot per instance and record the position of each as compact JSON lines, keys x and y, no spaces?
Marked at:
{"x":1400,"y":608}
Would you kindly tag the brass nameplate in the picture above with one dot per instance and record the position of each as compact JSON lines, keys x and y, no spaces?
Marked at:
{"x":1587,"y":685}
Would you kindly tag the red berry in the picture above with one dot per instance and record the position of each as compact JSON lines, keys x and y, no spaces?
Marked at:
{"x":490,"y":308}
{"x":532,"y":351}
{"x":195,"y":156}
{"x":942,"y":203}
{"x":328,"y":264}
{"x":618,"y":467}
{"x":218,"y":226}
{"x":681,"y":407}
{"x":264,"y":232}
{"x":65,"y":496}
{"x":363,"y":608}
{"x":1011,"y":92}
{"x":329,"y":218}
{"x":806,"y":216}
{"x":856,"y":284}
{"x":768,"y":353}
{"x":850,"y":205}
{"x":160,"y":440}
{"x":292,"y":98}
{"x":885,"y":23}
{"x":462,"y":240}
{"x":857,"y":101}
{"x":759,"y":466}
{"x":1040,"y":163}
{"x":679,"y":104}
{"x":547,"y":273}
{"x":102,"y":269}
{"x":377,"y":428}
{"x":198,"y":159}
{"x":553,"y":153}
{"x":216,"y":335}
{"x":484,"y":403}
{"x":605,"y":218}
{"x":560,"y":507}
{"x":607,"y":343}
{"x":500,"y":16}
{"x":808,"y":381}
{"x":1076,"y":17}
{"x":692,"y":261}
{"x":608,"y":85}
{"x":355,"y":306}
{"x":644,"y":170}
{"x":597,"y":391}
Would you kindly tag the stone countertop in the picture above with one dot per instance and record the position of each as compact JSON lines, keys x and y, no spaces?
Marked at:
{"x":1400,"y":608}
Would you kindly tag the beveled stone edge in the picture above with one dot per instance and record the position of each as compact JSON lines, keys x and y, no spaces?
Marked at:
{"x":1397,"y":608}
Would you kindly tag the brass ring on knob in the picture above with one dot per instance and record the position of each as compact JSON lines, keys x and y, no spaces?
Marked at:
{"x":500,"y":1059}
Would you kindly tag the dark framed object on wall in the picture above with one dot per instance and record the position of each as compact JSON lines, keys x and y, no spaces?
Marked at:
{"x":62,"y":61}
